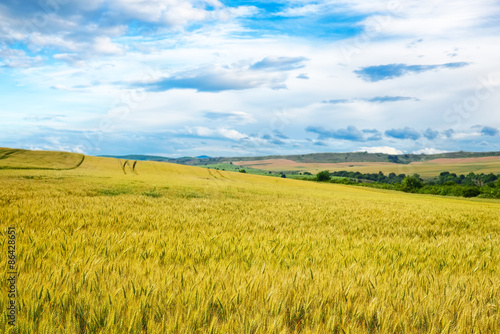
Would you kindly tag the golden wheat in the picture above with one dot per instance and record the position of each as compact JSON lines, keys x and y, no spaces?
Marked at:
{"x":176,"y":249}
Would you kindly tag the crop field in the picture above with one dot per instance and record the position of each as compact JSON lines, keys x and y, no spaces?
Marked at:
{"x":426,"y":169}
{"x":113,"y":246}
{"x":23,"y":159}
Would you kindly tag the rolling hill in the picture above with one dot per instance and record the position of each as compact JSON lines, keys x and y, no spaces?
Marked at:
{"x":26,"y":159}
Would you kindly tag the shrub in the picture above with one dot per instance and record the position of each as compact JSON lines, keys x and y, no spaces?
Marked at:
{"x":412,"y":183}
{"x":471,"y":192}
{"x":323,"y":176}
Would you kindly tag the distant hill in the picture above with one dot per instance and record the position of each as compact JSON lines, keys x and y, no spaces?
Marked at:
{"x":138,"y":157}
{"x":316,"y":158}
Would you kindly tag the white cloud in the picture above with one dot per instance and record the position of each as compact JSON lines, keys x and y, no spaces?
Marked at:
{"x":380,"y":149}
{"x":301,"y":10}
{"x":15,"y":58}
{"x":68,"y":88}
{"x":71,"y":58}
{"x":216,"y":133}
{"x":38,"y":41}
{"x":177,"y":13}
{"x":103,"y":45}
{"x":231,"y":134}
{"x":236,"y":117}
{"x":429,"y":150}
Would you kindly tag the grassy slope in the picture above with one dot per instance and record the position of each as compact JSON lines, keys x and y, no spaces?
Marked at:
{"x":175,"y":248}
{"x":24,"y":159}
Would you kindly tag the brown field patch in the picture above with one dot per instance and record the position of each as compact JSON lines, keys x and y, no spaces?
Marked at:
{"x":447,"y":161}
{"x":426,"y":169}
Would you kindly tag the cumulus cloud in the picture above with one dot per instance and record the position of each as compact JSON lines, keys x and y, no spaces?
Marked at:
{"x":431,"y":134}
{"x":297,"y":10}
{"x":489,"y":131}
{"x":277,"y":142}
{"x":406,"y":133}
{"x":391,"y":71}
{"x":103,"y":45}
{"x":201,"y":131}
{"x":429,"y":150}
{"x":372,"y":134}
{"x":449,"y":133}
{"x":381,"y":149}
{"x":238,"y":117}
{"x":15,"y":58}
{"x":92,"y":27}
{"x":351,"y":133}
{"x":219,"y":78}
{"x":177,"y":13}
{"x":70,"y":58}
{"x":279,"y":64}
{"x":279,"y":134}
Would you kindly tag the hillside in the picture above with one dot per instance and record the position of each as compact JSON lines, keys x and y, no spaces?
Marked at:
{"x":25,"y":159}
{"x":139,"y":157}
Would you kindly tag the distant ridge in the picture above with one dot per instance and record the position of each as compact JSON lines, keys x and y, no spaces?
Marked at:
{"x":315,"y":157}
{"x":137,"y":157}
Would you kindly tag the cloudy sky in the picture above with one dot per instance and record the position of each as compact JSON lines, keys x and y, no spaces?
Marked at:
{"x":230,"y":78}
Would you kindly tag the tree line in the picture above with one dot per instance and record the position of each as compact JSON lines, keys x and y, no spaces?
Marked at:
{"x":446,"y":184}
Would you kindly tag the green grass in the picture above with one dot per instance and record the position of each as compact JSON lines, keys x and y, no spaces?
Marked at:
{"x":291,"y":174}
{"x":234,"y":168}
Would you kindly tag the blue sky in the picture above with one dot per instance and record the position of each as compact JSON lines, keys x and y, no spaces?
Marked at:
{"x":242,"y":78}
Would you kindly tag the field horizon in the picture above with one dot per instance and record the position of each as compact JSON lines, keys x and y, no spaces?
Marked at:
{"x":426,"y":165}
{"x":116,"y":247}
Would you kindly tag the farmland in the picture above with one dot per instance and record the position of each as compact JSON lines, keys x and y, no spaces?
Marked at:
{"x":23,"y":159}
{"x":426,"y":169}
{"x":108,"y":247}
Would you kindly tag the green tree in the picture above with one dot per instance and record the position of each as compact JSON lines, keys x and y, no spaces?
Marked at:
{"x":412,"y":183}
{"x":323,"y":176}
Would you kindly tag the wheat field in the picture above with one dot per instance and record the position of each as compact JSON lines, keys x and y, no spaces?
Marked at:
{"x":109,"y":247}
{"x":427,"y":169}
